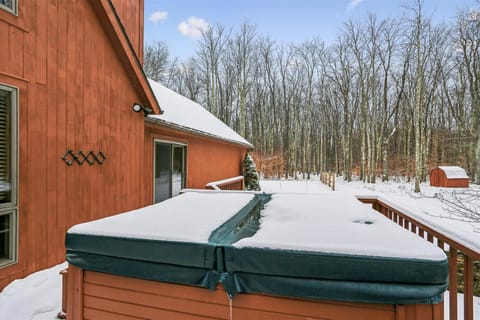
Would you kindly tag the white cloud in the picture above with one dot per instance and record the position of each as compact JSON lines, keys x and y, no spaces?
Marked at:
{"x":193,"y":27}
{"x":158,"y":16}
{"x":353,"y":4}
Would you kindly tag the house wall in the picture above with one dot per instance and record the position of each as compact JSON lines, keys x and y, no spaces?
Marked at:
{"x":217,"y":159}
{"x":131,"y":16}
{"x":74,"y":93}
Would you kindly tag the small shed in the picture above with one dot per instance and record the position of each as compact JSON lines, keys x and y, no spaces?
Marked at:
{"x":449,"y":177}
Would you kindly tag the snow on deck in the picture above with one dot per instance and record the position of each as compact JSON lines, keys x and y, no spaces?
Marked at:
{"x":454,"y":172}
{"x":335,"y":223}
{"x":186,"y":114}
{"x":190,"y":217}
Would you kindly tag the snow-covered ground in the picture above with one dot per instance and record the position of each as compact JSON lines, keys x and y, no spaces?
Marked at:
{"x":38,"y":296}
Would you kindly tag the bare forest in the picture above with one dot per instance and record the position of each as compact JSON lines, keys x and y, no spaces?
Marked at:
{"x":389,"y":97}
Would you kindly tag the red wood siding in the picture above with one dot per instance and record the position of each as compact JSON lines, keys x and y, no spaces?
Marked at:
{"x":131,"y":16}
{"x":74,"y":93}
{"x":208,"y":159}
{"x":95,"y":295}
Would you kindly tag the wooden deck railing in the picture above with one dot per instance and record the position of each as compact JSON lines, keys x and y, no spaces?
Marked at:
{"x":63,"y":313}
{"x":328,"y":179}
{"x":452,"y":247}
{"x":235,"y":183}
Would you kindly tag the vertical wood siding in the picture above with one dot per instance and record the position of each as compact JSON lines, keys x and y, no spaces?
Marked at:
{"x":131,"y":16}
{"x":74,"y":94}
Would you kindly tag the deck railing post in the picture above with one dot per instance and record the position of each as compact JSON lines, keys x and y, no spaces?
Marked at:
{"x":63,"y":313}
{"x":452,"y":282}
{"x":467,"y":287}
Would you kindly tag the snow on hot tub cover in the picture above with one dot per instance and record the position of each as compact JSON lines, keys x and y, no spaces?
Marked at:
{"x":168,"y":241}
{"x":312,"y":246}
{"x":335,"y":247}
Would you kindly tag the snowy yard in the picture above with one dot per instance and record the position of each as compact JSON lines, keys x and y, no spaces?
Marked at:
{"x":38,"y":296}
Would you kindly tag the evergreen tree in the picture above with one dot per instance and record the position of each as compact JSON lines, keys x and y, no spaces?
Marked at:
{"x":251,"y":175}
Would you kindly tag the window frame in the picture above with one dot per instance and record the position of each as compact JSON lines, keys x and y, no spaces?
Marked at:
{"x":13,"y":10}
{"x":13,"y":239}
{"x":11,"y":208}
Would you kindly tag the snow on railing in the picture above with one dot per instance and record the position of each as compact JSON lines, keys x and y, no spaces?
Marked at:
{"x":235,"y":183}
{"x":451,"y":244}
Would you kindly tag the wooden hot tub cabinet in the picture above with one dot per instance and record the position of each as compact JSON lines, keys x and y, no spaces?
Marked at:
{"x":95,"y":295}
{"x":210,"y":255}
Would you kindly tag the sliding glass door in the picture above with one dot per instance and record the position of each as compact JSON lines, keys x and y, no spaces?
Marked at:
{"x":169,"y":168}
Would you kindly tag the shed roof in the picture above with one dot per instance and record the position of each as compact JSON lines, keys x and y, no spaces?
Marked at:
{"x":187,"y":115}
{"x":454,"y":172}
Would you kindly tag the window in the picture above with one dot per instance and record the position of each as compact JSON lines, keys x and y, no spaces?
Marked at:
{"x":7,"y":238}
{"x":9,"y":5}
{"x":8,"y":175}
{"x":169,"y":170}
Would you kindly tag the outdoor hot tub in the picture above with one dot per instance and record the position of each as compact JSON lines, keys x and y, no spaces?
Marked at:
{"x":234,"y":255}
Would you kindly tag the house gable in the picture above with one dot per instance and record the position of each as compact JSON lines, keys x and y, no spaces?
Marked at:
{"x":109,"y":19}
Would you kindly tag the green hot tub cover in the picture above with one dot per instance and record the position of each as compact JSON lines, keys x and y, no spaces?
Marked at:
{"x":320,"y":246}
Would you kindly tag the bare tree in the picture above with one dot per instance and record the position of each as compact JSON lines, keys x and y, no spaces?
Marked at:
{"x":468,"y":44}
{"x":388,"y":96}
{"x":156,"y":61}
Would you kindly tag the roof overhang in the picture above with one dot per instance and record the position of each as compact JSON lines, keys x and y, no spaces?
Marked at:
{"x":163,"y":123}
{"x":120,"y":42}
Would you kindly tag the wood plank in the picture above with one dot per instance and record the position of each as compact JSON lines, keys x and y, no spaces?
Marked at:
{"x":154,"y":287}
{"x":41,"y":41}
{"x":129,"y":309}
{"x":94,"y":314}
{"x":158,"y":300}
{"x":16,"y":44}
{"x":37,"y":155}
{"x":400,"y":312}
{"x":438,"y":311}
{"x":52,"y":161}
{"x":79,"y":107}
{"x":453,"y":282}
{"x":468,"y":305}
{"x":72,"y":88}
{"x":75,"y":293}
{"x":88,"y":121}
{"x":61,"y":125}
{"x":5,"y":54}
{"x":240,"y":313}
{"x":314,"y":308}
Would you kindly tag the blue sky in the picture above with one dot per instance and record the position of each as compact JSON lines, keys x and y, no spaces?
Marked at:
{"x":177,"y":22}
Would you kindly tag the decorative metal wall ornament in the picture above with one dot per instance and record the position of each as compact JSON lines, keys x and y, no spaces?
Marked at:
{"x":69,"y":157}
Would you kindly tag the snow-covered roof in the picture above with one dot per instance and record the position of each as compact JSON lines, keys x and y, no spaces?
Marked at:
{"x":454,"y":172}
{"x":184,"y":114}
